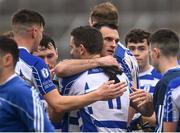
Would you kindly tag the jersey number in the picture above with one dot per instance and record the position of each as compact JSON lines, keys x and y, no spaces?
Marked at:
{"x":114,"y":103}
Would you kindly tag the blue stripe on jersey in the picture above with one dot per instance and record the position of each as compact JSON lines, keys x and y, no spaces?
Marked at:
{"x":110,"y":103}
{"x":90,"y":110}
{"x":118,"y":100}
{"x":111,"y":124}
{"x":95,"y":70}
{"x":88,"y":124}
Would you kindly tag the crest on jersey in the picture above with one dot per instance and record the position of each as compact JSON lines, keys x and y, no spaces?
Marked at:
{"x":45,"y":72}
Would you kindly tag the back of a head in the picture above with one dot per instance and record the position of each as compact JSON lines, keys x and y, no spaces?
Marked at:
{"x":137,"y":36}
{"x":166,"y":40}
{"x":90,"y":37}
{"x":47,"y":41}
{"x":104,"y":13}
{"x":8,"y":45}
{"x":27,"y":18}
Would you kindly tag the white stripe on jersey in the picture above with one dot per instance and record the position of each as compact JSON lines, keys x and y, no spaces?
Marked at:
{"x":38,"y":112}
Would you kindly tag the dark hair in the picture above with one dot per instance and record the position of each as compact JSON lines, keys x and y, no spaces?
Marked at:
{"x":90,"y":37}
{"x":100,"y":25}
{"x":8,"y":45}
{"x":46,"y":40}
{"x":28,"y":17}
{"x":105,"y":13}
{"x":137,"y":36}
{"x":166,"y":40}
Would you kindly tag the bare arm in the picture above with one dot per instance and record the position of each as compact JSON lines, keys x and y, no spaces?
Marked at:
{"x":169,"y":126}
{"x":73,"y":66}
{"x":142,"y":101}
{"x":108,"y":90}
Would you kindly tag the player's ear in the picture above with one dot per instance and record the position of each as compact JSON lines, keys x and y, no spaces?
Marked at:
{"x":157,"y":52}
{"x":82,"y":49}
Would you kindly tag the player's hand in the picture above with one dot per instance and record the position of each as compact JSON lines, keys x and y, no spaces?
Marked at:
{"x":140,"y":97}
{"x":109,"y":90}
{"x":108,"y":61}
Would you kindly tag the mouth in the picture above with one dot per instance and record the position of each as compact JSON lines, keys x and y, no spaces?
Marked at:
{"x":110,"y":51}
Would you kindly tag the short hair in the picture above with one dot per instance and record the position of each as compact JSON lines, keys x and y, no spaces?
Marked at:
{"x":105,"y":13}
{"x":46,"y":40}
{"x":100,"y":25}
{"x":90,"y":37}
{"x":137,"y":36}
{"x":27,"y":17}
{"x":166,"y":40}
{"x":8,"y":45}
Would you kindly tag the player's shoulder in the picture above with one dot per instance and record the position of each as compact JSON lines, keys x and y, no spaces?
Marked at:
{"x":28,"y":58}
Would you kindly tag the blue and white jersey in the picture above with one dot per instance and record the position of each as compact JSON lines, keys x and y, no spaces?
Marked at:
{"x":128,"y":63}
{"x":149,"y":79}
{"x":20,"y":108}
{"x":172,"y":104}
{"x":170,"y":81}
{"x":34,"y":70}
{"x":101,"y":116}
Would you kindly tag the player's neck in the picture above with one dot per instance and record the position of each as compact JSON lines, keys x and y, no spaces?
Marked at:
{"x":24,"y":43}
{"x":144,"y":68}
{"x":93,"y":56}
{"x":167,"y":63}
{"x":5,"y":74}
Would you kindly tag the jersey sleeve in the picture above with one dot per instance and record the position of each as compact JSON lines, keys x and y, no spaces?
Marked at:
{"x":172,"y":105}
{"x":42,"y":78}
{"x":30,"y":111}
{"x":128,"y":64}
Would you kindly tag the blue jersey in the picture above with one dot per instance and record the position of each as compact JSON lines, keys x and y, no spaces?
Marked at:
{"x":103,"y":116}
{"x":172,"y":104}
{"x":20,"y":108}
{"x":128,"y":63}
{"x":149,"y":79}
{"x":169,"y":81}
{"x":34,"y":70}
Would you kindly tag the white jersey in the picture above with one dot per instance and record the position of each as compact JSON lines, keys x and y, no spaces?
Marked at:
{"x":149,"y":79}
{"x":128,"y":63}
{"x":101,"y":116}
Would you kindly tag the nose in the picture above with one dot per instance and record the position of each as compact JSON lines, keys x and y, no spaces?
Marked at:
{"x":136,"y":52}
{"x":113,"y":44}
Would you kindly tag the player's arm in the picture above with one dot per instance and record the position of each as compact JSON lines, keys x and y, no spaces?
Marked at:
{"x":142,"y":101}
{"x":169,"y":126}
{"x":73,"y":66}
{"x":171,"y":112}
{"x":60,"y":103}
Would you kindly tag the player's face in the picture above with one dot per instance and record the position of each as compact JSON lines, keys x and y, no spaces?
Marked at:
{"x":49,"y":55}
{"x":74,"y":51}
{"x":141,"y":52}
{"x":111,"y":38}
